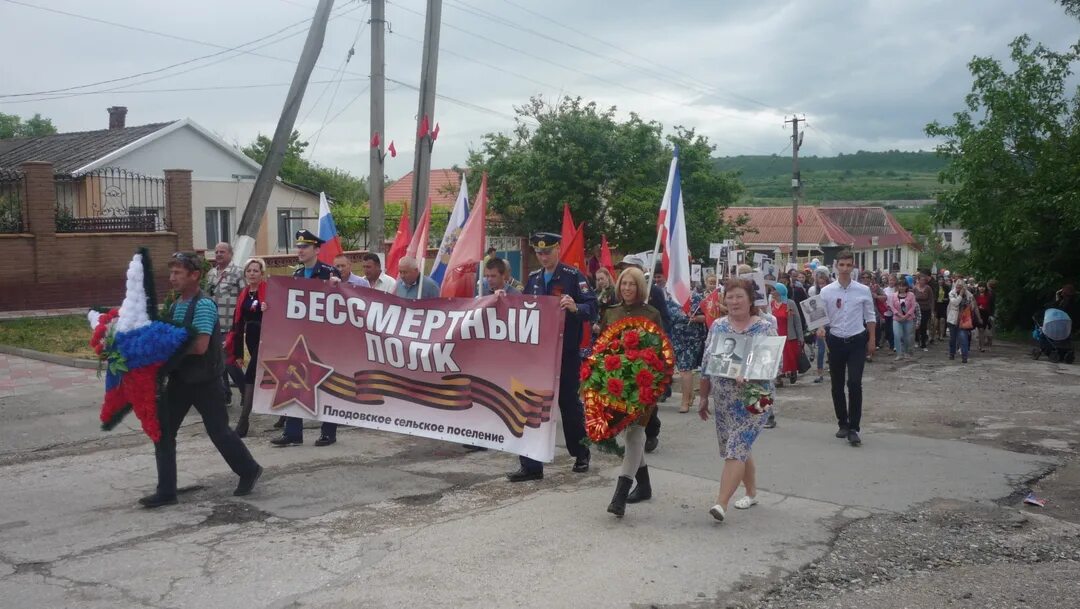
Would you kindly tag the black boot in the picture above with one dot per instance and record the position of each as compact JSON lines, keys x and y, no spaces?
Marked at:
{"x":245,"y":411}
{"x":618,"y":501}
{"x":643,"y":490}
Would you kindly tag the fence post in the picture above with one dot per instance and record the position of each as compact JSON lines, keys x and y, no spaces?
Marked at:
{"x":178,"y":206}
{"x":41,"y":217}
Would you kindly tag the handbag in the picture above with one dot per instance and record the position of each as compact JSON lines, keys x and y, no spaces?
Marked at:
{"x":804,"y":361}
{"x":965,"y":322}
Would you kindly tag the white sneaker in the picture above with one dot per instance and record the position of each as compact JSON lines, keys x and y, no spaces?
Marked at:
{"x":717,"y":512}
{"x":745,"y":502}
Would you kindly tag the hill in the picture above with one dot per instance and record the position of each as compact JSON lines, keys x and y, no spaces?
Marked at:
{"x":863,"y":176}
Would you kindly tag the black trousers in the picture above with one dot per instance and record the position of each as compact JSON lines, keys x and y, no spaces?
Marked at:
{"x":847,"y":357}
{"x":921,"y":335}
{"x":573,"y":415}
{"x":208,"y":401}
{"x":652,"y":428}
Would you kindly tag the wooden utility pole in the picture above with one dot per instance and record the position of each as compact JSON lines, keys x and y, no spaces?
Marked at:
{"x":264,"y":183}
{"x":426,"y":114}
{"x":376,"y":169}
{"x":796,"y":186}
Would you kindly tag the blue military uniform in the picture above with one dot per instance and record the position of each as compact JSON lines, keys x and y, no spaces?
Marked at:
{"x":564,"y":281}
{"x":294,"y":427}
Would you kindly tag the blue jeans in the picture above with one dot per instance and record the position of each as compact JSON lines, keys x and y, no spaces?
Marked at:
{"x":904,"y":331}
{"x":963,"y":337}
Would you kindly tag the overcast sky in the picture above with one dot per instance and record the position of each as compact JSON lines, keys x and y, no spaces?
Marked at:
{"x":868,"y":74}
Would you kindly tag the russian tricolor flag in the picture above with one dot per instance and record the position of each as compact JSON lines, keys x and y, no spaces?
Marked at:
{"x":328,"y":233}
{"x":673,"y":234}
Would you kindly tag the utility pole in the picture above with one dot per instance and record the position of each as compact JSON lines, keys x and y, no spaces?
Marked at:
{"x":376,"y":171}
{"x":426,"y":115}
{"x":796,"y":185}
{"x":264,"y":183}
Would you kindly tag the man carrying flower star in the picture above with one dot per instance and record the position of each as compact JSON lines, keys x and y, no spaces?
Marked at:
{"x":579,"y":303}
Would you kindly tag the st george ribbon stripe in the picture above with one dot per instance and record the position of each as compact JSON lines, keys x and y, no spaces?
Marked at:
{"x":525,"y":408}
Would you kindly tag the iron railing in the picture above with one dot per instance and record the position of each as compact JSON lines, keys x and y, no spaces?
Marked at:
{"x":110,"y":200}
{"x":12,"y":195}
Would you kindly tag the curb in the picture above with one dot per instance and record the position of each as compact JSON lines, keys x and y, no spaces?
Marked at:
{"x":52,"y":358}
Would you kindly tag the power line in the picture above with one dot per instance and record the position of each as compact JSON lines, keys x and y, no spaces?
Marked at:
{"x":238,"y":50}
{"x":155,"y":71}
{"x":582,"y":72}
{"x":703,"y":87}
{"x":196,"y":89}
{"x":344,"y":63}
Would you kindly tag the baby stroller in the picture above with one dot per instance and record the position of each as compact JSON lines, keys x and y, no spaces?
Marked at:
{"x":1052,"y":337}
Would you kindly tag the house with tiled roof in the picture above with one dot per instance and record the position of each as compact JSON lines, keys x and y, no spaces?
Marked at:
{"x":443,"y":187}
{"x":96,"y":169}
{"x":876,"y":238}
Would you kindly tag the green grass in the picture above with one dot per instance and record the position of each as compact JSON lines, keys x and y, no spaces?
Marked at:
{"x":66,"y":335}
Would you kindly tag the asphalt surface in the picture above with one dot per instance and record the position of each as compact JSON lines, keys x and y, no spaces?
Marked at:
{"x":926,"y":513}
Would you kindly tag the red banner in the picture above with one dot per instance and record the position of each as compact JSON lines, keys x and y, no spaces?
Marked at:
{"x":482,"y":372}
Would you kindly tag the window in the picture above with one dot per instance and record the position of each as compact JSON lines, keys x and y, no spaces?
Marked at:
{"x":288,"y":222}
{"x":218,"y":227}
{"x":947,"y":236}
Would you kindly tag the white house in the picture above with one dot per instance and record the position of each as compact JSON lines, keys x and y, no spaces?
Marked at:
{"x":954,"y":237}
{"x":221,"y":181}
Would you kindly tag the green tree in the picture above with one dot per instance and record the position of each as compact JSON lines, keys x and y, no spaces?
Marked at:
{"x":1013,"y":152}
{"x":612,"y":174}
{"x":341,"y":186}
{"x":12,"y":125}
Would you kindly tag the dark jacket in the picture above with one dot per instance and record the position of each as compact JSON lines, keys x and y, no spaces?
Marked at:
{"x":321,"y":270}
{"x":566,"y":280}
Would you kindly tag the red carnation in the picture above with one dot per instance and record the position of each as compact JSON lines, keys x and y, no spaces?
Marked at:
{"x":652,"y":359}
{"x":644,"y":378}
{"x":612,"y":363}
{"x":615,"y":386}
{"x":632,"y":339}
{"x":614,"y":345}
{"x":633,"y":355}
{"x":646,"y":396}
{"x":586,"y":371}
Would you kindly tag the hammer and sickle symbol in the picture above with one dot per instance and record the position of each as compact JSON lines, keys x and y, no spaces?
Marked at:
{"x":299,"y":380}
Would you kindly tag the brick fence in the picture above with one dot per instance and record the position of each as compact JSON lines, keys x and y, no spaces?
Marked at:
{"x":47,"y":270}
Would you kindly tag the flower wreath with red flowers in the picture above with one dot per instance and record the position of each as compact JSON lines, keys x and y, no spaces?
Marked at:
{"x":630,"y":368}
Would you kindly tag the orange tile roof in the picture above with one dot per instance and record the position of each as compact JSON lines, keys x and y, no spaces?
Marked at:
{"x":842,"y":226}
{"x":443,"y":187}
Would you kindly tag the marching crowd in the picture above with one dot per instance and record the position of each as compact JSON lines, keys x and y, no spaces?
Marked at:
{"x":866,"y":311}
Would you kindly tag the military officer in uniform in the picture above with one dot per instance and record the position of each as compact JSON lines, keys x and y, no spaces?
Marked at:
{"x":307,"y":250}
{"x":579,"y":302}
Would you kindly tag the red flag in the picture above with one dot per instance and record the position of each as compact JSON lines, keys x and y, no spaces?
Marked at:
{"x":423,"y":129}
{"x":399,"y":246}
{"x":418,"y":246}
{"x":392,"y":150}
{"x":375,"y":140}
{"x":573,"y":252}
{"x":435,"y":133}
{"x":567,"y":226}
{"x":798,"y":220}
{"x":712,"y":308}
{"x":461,"y":270}
{"x":605,"y":256}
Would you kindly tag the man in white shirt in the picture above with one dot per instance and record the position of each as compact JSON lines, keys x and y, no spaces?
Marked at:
{"x":374,"y":274}
{"x":851,"y":337}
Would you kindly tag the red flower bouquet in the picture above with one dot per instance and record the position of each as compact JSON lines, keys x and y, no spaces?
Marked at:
{"x":630,"y":368}
{"x":756,"y":398}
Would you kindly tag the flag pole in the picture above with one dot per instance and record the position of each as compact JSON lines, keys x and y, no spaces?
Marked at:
{"x":656,"y":252}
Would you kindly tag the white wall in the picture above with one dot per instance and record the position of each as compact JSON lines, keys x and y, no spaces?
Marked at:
{"x":214,"y":183}
{"x":234,"y":196}
{"x":959,"y":238}
{"x":184,"y":148}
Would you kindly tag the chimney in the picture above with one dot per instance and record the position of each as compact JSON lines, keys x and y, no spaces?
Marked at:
{"x":117,"y":114}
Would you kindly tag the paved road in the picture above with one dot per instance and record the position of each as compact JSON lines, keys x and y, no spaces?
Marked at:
{"x":383,"y":520}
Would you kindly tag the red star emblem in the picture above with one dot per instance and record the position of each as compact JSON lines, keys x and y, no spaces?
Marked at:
{"x":297,"y":377}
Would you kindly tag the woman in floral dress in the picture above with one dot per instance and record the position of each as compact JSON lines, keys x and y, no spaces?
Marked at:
{"x":688,"y":339}
{"x":736,"y":427}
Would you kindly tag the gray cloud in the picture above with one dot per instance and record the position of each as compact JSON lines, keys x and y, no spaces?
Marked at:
{"x":868,"y":74}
